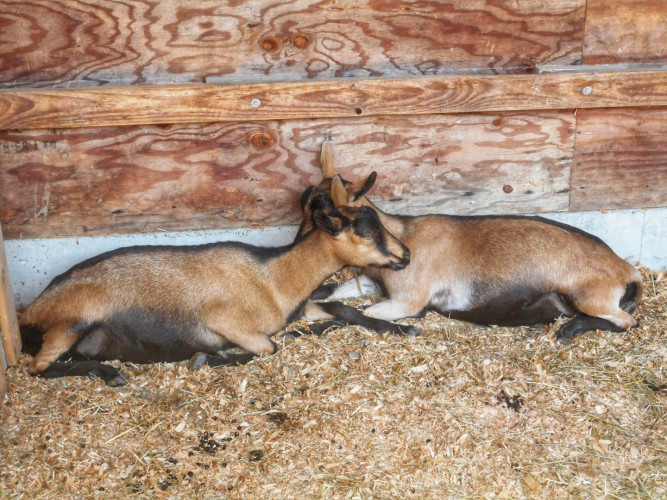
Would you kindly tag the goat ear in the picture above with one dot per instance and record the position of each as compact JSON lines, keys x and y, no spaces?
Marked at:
{"x":331,"y":225}
{"x":357,"y":189}
{"x":326,"y":161}
{"x":339,"y":194}
{"x":305,"y":196}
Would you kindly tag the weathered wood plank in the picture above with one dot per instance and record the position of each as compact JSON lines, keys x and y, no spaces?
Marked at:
{"x":49,"y":43}
{"x":620,"y":159}
{"x":3,"y":386}
{"x":9,"y":329}
{"x":625,"y":31}
{"x":140,"y":105}
{"x":135,"y":179}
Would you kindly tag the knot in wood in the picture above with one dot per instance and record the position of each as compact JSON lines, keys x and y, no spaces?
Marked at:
{"x":507,"y":189}
{"x":262,"y":140}
{"x":269,"y":44}
{"x":300,"y":40}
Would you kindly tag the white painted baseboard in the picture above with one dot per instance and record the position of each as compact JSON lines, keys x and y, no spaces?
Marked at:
{"x":635,"y":235}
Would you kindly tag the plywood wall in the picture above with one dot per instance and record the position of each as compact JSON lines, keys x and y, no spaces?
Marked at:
{"x":52,"y":43}
{"x":118,"y":179}
{"x":620,"y":159}
{"x":625,"y":31}
{"x":103,"y":181}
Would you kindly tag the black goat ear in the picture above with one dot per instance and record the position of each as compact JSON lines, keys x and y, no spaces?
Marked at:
{"x":360,"y":188}
{"x":332,"y":225}
{"x":305,"y":196}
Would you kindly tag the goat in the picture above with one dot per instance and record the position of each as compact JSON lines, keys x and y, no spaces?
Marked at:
{"x":496,"y":270}
{"x":313,"y":200}
{"x":150,"y":304}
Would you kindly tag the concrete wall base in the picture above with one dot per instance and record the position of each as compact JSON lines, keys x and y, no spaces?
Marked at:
{"x":640,"y":236}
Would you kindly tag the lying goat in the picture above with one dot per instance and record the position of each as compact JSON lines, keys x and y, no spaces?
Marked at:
{"x":150,"y":304}
{"x":496,"y":270}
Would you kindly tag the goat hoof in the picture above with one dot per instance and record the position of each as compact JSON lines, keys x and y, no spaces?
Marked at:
{"x":290,"y":335}
{"x":117,"y":381}
{"x":566,"y":333}
{"x":411,"y":331}
{"x":563,"y":340}
{"x":198,"y":360}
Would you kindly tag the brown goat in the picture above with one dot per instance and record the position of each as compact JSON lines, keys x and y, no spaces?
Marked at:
{"x":149,"y":304}
{"x":496,"y":270}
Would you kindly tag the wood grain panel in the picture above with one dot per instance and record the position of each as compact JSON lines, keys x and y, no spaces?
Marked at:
{"x":3,"y":386}
{"x":625,"y":31}
{"x":139,"y":105}
{"x":49,"y":43}
{"x":10,"y":340}
{"x":620,"y":159}
{"x":134,"y":179}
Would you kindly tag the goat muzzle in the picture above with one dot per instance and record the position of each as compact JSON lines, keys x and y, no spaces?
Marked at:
{"x":400,"y":263}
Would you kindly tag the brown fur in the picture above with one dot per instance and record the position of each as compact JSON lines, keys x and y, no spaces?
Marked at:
{"x":493,"y":270}
{"x":166,"y":304}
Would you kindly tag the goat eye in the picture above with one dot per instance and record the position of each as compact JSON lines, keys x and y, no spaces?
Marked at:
{"x":370,"y":236}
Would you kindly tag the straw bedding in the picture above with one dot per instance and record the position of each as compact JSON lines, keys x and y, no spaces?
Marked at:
{"x":462,"y":411}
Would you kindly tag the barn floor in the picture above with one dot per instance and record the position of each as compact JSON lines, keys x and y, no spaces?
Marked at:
{"x":461,"y":411}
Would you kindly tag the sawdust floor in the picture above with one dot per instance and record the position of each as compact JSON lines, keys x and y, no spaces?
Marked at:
{"x":461,"y":411}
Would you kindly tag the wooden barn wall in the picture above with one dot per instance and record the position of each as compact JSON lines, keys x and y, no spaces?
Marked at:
{"x":620,"y":159}
{"x":10,"y":342}
{"x":216,"y":175}
{"x":111,"y":180}
{"x":625,"y":31}
{"x":54,"y":43}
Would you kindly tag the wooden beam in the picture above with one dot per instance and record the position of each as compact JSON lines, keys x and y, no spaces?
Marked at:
{"x":9,"y":330}
{"x":199,"y":103}
{"x":3,"y":386}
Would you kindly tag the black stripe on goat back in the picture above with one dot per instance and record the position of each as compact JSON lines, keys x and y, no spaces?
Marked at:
{"x":534,"y":218}
{"x":260,"y":253}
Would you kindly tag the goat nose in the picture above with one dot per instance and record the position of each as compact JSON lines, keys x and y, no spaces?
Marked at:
{"x":406,"y":255}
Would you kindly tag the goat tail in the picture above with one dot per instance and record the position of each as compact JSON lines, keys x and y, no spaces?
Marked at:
{"x":632,"y":296}
{"x":31,"y":338}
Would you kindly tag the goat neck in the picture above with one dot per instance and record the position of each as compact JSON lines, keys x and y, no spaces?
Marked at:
{"x":297,"y":272}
